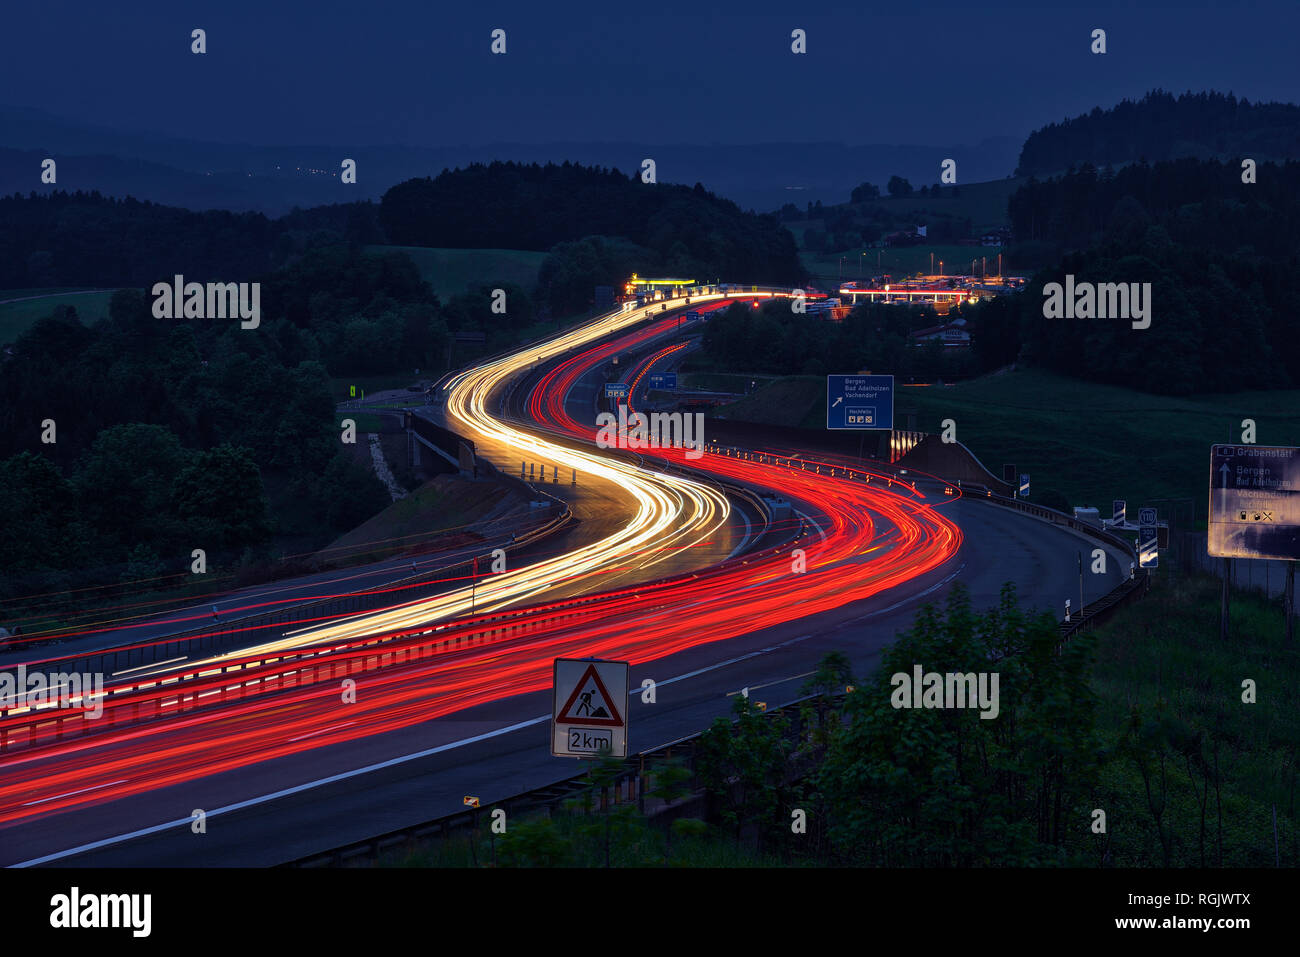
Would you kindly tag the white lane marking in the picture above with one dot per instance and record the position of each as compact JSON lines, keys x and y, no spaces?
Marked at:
{"x":910,"y":598}
{"x":312,"y":734}
{"x":297,"y":789}
{"x":70,"y":793}
{"x":770,"y":683}
{"x":343,"y":776}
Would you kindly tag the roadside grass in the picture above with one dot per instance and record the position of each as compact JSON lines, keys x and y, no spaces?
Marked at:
{"x":569,"y":839}
{"x":445,"y":504}
{"x":365,"y":421}
{"x":1162,"y":657}
{"x":1088,"y":441}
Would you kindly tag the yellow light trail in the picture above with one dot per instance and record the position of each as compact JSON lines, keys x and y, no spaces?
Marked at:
{"x":670,"y":511}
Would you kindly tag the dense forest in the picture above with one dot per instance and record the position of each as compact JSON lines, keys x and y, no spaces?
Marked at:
{"x":85,"y":239}
{"x":1161,"y":126}
{"x":157,"y":423}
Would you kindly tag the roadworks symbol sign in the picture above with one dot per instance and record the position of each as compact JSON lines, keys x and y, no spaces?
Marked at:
{"x":590,"y":703}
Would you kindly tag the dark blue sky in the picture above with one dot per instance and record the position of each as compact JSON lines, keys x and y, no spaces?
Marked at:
{"x":420,"y":72}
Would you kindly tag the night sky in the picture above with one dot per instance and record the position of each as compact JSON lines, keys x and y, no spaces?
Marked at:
{"x":420,"y":73}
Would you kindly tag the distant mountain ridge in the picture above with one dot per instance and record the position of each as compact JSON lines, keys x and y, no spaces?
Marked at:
{"x":273,"y":179}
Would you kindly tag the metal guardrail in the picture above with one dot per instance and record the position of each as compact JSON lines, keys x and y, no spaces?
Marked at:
{"x":1095,"y":612}
{"x":268,"y":626}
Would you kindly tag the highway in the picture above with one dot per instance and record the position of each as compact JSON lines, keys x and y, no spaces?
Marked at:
{"x":459,"y":719}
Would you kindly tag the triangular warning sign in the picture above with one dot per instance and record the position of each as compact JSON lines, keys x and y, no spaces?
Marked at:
{"x":590,"y":703}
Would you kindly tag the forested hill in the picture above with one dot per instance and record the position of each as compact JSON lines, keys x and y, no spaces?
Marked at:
{"x":529,"y":206}
{"x":1161,"y":126}
{"x":1221,"y":257}
{"x":86,"y":239}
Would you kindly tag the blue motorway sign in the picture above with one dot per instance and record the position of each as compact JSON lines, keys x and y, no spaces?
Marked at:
{"x":859,"y":402}
{"x":616,"y":390}
{"x":662,"y":380}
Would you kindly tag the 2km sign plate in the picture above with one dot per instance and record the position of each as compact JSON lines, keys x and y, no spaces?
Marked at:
{"x":1254,"y":502}
{"x":589,"y":708}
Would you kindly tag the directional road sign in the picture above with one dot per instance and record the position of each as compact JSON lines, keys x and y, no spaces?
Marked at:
{"x":1118,"y":509}
{"x":589,"y":708}
{"x":860,"y":402}
{"x":1254,"y":502}
{"x":662,"y":380}
{"x":616,"y":390}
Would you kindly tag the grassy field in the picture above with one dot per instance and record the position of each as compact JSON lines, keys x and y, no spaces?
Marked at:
{"x":1163,"y":658}
{"x":1090,"y":442}
{"x":984,"y":204}
{"x":453,"y":271}
{"x":16,"y":317}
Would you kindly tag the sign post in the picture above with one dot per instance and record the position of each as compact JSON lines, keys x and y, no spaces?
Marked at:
{"x":1255,"y":511}
{"x":589,"y":708}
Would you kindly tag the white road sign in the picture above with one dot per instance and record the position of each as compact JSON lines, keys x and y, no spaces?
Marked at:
{"x":589,"y":708}
{"x":1254,"y":502}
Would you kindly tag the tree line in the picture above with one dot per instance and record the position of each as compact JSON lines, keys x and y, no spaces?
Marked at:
{"x":1161,"y":126}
